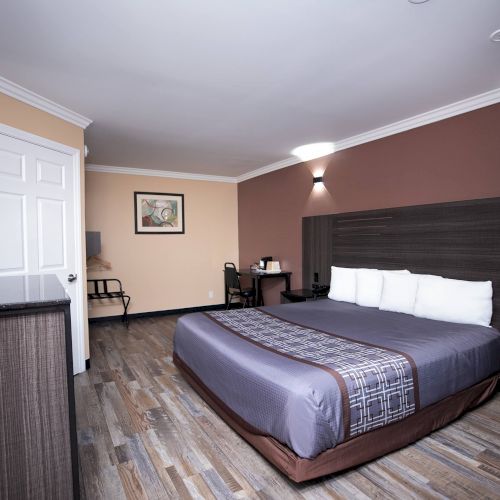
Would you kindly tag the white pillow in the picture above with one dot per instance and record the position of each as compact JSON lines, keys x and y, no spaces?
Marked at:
{"x":456,"y":301}
{"x":399,"y":292}
{"x":343,"y":284}
{"x":369,"y":283}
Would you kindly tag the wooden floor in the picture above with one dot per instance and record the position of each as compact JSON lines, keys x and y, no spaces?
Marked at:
{"x":144,"y":433}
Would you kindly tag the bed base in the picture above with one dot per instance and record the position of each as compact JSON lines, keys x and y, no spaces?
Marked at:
{"x":350,"y":453}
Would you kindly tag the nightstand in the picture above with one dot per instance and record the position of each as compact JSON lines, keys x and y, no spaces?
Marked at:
{"x":300,"y":295}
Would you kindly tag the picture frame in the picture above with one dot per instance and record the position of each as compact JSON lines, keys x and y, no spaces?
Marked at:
{"x":158,"y":213}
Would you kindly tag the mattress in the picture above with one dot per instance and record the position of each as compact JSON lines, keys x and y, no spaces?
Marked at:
{"x":315,"y":374}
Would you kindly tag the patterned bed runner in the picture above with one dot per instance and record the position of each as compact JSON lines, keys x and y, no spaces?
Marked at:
{"x":378,"y":385}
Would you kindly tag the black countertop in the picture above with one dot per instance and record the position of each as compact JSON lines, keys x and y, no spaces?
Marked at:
{"x":22,"y":292}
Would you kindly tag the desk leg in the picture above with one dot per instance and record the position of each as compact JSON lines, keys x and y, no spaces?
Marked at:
{"x":259,"y":297}
{"x":287,"y":282}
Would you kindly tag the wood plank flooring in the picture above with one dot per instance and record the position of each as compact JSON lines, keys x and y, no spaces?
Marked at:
{"x":144,"y":433}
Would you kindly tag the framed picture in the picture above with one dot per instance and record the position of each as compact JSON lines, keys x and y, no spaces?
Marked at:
{"x":159,"y":213}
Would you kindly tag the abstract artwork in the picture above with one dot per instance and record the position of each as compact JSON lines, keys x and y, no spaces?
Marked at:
{"x":159,"y":213}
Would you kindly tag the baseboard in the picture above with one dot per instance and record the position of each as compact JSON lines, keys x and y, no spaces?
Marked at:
{"x":152,"y":314}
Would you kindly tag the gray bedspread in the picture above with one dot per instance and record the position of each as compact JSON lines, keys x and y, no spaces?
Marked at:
{"x":314,"y":374}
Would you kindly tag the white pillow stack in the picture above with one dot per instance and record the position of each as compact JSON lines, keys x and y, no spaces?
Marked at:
{"x":424,"y":296}
{"x":343,"y":284}
{"x":399,"y":292}
{"x":455,"y":301}
{"x":369,"y":285}
{"x":360,"y":286}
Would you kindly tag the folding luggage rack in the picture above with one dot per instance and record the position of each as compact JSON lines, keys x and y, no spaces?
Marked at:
{"x":98,"y":289}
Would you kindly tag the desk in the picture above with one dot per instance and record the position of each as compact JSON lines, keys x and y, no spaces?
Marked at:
{"x":257,"y":277}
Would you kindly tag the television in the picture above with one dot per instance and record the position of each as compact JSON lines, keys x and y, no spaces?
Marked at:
{"x":93,"y":243}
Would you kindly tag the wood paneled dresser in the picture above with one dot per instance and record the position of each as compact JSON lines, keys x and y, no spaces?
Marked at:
{"x":38,"y":447}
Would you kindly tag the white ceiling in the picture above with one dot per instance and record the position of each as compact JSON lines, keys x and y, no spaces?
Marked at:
{"x":227,"y":86}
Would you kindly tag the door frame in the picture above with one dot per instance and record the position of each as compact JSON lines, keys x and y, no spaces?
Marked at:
{"x":79,"y":336}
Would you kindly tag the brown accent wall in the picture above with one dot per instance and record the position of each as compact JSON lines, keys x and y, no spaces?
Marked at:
{"x":450,"y":160}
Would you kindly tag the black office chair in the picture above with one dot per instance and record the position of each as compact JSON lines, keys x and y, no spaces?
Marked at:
{"x":233,"y":286}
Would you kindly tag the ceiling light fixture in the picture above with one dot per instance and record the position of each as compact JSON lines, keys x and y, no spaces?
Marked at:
{"x":495,"y":36}
{"x":417,"y":1}
{"x":312,"y":151}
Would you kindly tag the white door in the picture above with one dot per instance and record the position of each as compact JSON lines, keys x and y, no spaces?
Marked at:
{"x":37,"y":221}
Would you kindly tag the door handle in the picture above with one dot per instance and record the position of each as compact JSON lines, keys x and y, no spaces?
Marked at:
{"x":71,"y":277}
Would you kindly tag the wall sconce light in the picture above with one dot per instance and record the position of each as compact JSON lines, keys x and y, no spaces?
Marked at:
{"x":318,"y":181}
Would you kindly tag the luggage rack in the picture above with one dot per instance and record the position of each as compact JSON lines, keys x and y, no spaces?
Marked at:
{"x":101,"y":291}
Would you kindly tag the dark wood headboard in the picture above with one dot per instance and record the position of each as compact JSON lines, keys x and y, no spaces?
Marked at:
{"x":458,"y":240}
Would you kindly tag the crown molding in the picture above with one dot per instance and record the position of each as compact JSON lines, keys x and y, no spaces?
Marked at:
{"x":453,"y":109}
{"x":435,"y":115}
{"x":287,"y":162}
{"x":158,"y":173}
{"x":448,"y":111}
{"x":37,"y":101}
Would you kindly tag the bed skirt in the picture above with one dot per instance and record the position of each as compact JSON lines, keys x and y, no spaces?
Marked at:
{"x":355,"y":451}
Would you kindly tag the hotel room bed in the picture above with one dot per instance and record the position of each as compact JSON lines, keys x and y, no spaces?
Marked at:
{"x":321,"y":386}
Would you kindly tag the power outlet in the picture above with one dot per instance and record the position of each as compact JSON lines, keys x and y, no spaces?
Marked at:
{"x":210,"y":294}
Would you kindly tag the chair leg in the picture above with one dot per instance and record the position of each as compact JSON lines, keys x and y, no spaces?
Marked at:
{"x":125,"y":302}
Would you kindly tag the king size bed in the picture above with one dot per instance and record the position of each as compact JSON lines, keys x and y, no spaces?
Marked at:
{"x":322,"y":386}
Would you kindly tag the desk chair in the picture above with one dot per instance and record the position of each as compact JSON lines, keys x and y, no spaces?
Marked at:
{"x":233,"y":286}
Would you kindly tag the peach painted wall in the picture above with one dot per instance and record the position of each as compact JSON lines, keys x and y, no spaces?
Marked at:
{"x":450,"y":160}
{"x":22,"y":116}
{"x":163,"y":272}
